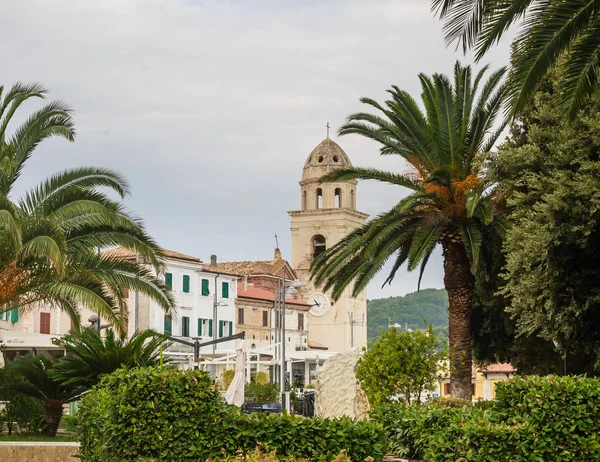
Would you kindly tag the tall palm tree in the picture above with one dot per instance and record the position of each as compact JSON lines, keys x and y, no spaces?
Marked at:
{"x":552,"y":32}
{"x":50,"y":238}
{"x":36,"y":382}
{"x":89,"y":356}
{"x":451,"y":204}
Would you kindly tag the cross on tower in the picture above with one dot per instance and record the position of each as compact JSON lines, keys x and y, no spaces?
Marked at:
{"x":327,"y":129}
{"x":276,"y":240}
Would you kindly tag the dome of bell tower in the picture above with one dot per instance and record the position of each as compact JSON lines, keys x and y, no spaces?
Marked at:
{"x":327,"y":156}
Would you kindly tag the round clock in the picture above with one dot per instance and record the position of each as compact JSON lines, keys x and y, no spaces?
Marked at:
{"x":319,"y":304}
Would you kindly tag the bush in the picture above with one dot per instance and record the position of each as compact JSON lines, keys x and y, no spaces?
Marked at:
{"x":533,"y":419}
{"x":449,"y":401}
{"x":227,"y":378}
{"x":262,"y":392}
{"x":69,"y":423}
{"x":169,"y":415}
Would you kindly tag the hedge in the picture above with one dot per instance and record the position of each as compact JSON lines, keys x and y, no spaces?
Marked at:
{"x":533,"y":419}
{"x":152,"y":413}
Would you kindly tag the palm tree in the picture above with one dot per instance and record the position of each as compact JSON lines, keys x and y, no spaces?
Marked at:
{"x":36,"y":382}
{"x":450,"y":204}
{"x":90,"y":356}
{"x":52,"y":236}
{"x":554,"y":32}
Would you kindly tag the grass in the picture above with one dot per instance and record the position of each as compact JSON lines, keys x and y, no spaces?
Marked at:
{"x":57,"y":439}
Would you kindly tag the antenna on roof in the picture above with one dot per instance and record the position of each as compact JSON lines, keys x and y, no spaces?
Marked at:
{"x":276,"y":241}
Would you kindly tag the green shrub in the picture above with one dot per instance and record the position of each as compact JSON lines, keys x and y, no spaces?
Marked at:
{"x":227,"y":378}
{"x":449,"y":401}
{"x":261,"y":378}
{"x":69,"y":423}
{"x":408,"y":427}
{"x":169,"y":415}
{"x":262,"y":392}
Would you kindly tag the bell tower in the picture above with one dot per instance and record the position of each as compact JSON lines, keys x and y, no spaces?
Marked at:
{"x":327,"y":214}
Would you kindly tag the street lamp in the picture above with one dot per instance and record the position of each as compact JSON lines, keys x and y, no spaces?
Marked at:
{"x":292,"y":286}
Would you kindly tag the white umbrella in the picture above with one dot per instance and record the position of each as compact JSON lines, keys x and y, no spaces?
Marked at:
{"x":235,"y":393}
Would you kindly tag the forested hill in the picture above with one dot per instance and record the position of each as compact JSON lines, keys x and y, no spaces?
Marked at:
{"x":431,"y":304}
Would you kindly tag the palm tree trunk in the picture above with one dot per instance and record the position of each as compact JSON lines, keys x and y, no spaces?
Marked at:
{"x":459,"y":283}
{"x":54,"y":411}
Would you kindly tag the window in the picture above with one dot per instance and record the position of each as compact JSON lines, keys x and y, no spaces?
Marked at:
{"x":338,"y":198}
{"x":167,"y":324}
{"x":225,"y":290}
{"x":318,"y":245}
{"x":221,"y":328}
{"x":169,"y":280}
{"x":473,"y":389}
{"x":210,"y":327}
{"x":205,"y":289}
{"x":14,"y":315}
{"x":265,"y":318}
{"x":352,"y":200}
{"x":304,"y":200}
{"x":201,"y":324}
{"x":240,"y":315}
{"x":300,"y":321}
{"x":186,"y":283}
{"x":319,"y":198}
{"x":44,"y":323}
{"x":446,"y":389}
{"x":185,"y":326}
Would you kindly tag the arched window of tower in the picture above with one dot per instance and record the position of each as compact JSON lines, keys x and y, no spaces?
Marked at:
{"x":319,"y":245}
{"x":352,"y":200}
{"x":319,"y":198}
{"x":304,"y":200}
{"x":338,"y":198}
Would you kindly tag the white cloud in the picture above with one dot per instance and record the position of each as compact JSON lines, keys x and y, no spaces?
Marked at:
{"x":210,"y":108}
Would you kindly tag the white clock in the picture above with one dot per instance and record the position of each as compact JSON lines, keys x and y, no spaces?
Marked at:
{"x":319,"y":304}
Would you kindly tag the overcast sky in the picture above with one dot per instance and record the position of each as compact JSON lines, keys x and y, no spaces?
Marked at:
{"x":210,"y":108}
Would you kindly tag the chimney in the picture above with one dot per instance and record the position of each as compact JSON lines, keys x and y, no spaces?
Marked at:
{"x":213,"y":261}
{"x":277,"y":254}
{"x":245,"y":283}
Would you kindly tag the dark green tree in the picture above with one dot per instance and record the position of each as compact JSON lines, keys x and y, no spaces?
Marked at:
{"x":89,"y":356}
{"x":549,"y":174}
{"x":552,"y":32}
{"x":451,"y":203}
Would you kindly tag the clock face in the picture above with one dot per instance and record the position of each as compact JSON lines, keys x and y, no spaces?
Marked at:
{"x":319,"y":304}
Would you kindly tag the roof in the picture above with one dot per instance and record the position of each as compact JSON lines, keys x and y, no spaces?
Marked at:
{"x":212,"y":269}
{"x":317,"y":345}
{"x":168,"y":254}
{"x":268,"y":267}
{"x":257,"y":293}
{"x":327,"y":156}
{"x":499,"y":367}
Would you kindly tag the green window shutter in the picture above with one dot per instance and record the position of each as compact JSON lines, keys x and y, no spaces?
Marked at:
{"x":205,"y":289}
{"x":167,"y":325}
{"x":186,"y":283}
{"x":225,"y":290}
{"x":220,"y":329}
{"x":185,"y":326}
{"x":2,"y":315}
{"x":210,"y":332}
{"x":14,"y":315}
{"x":200,"y":322}
{"x":169,"y":280}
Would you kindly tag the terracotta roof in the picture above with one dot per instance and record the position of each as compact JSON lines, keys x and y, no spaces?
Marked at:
{"x":212,"y":269}
{"x":269,"y":267}
{"x":170,"y":254}
{"x":258,"y":293}
{"x":317,"y":345}
{"x":499,"y":367}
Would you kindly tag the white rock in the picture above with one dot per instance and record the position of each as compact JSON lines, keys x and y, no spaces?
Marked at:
{"x":337,"y":392}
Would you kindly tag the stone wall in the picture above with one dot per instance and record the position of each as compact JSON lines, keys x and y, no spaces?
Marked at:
{"x":30,"y":451}
{"x":337,"y":392}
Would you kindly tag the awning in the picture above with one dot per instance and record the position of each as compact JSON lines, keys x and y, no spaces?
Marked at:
{"x":25,"y":340}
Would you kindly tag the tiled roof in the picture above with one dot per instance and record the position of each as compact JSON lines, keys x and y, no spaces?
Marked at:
{"x":270,"y":267}
{"x":258,"y":293}
{"x":499,"y":367}
{"x":170,"y":254}
{"x":317,"y":345}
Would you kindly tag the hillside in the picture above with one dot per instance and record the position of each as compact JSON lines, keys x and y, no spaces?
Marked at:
{"x":411,"y":309}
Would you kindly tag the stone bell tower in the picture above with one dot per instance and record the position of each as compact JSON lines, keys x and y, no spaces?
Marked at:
{"x":328,"y":213}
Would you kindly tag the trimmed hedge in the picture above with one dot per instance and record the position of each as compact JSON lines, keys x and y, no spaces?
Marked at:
{"x":163,"y":414}
{"x":533,"y":419}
